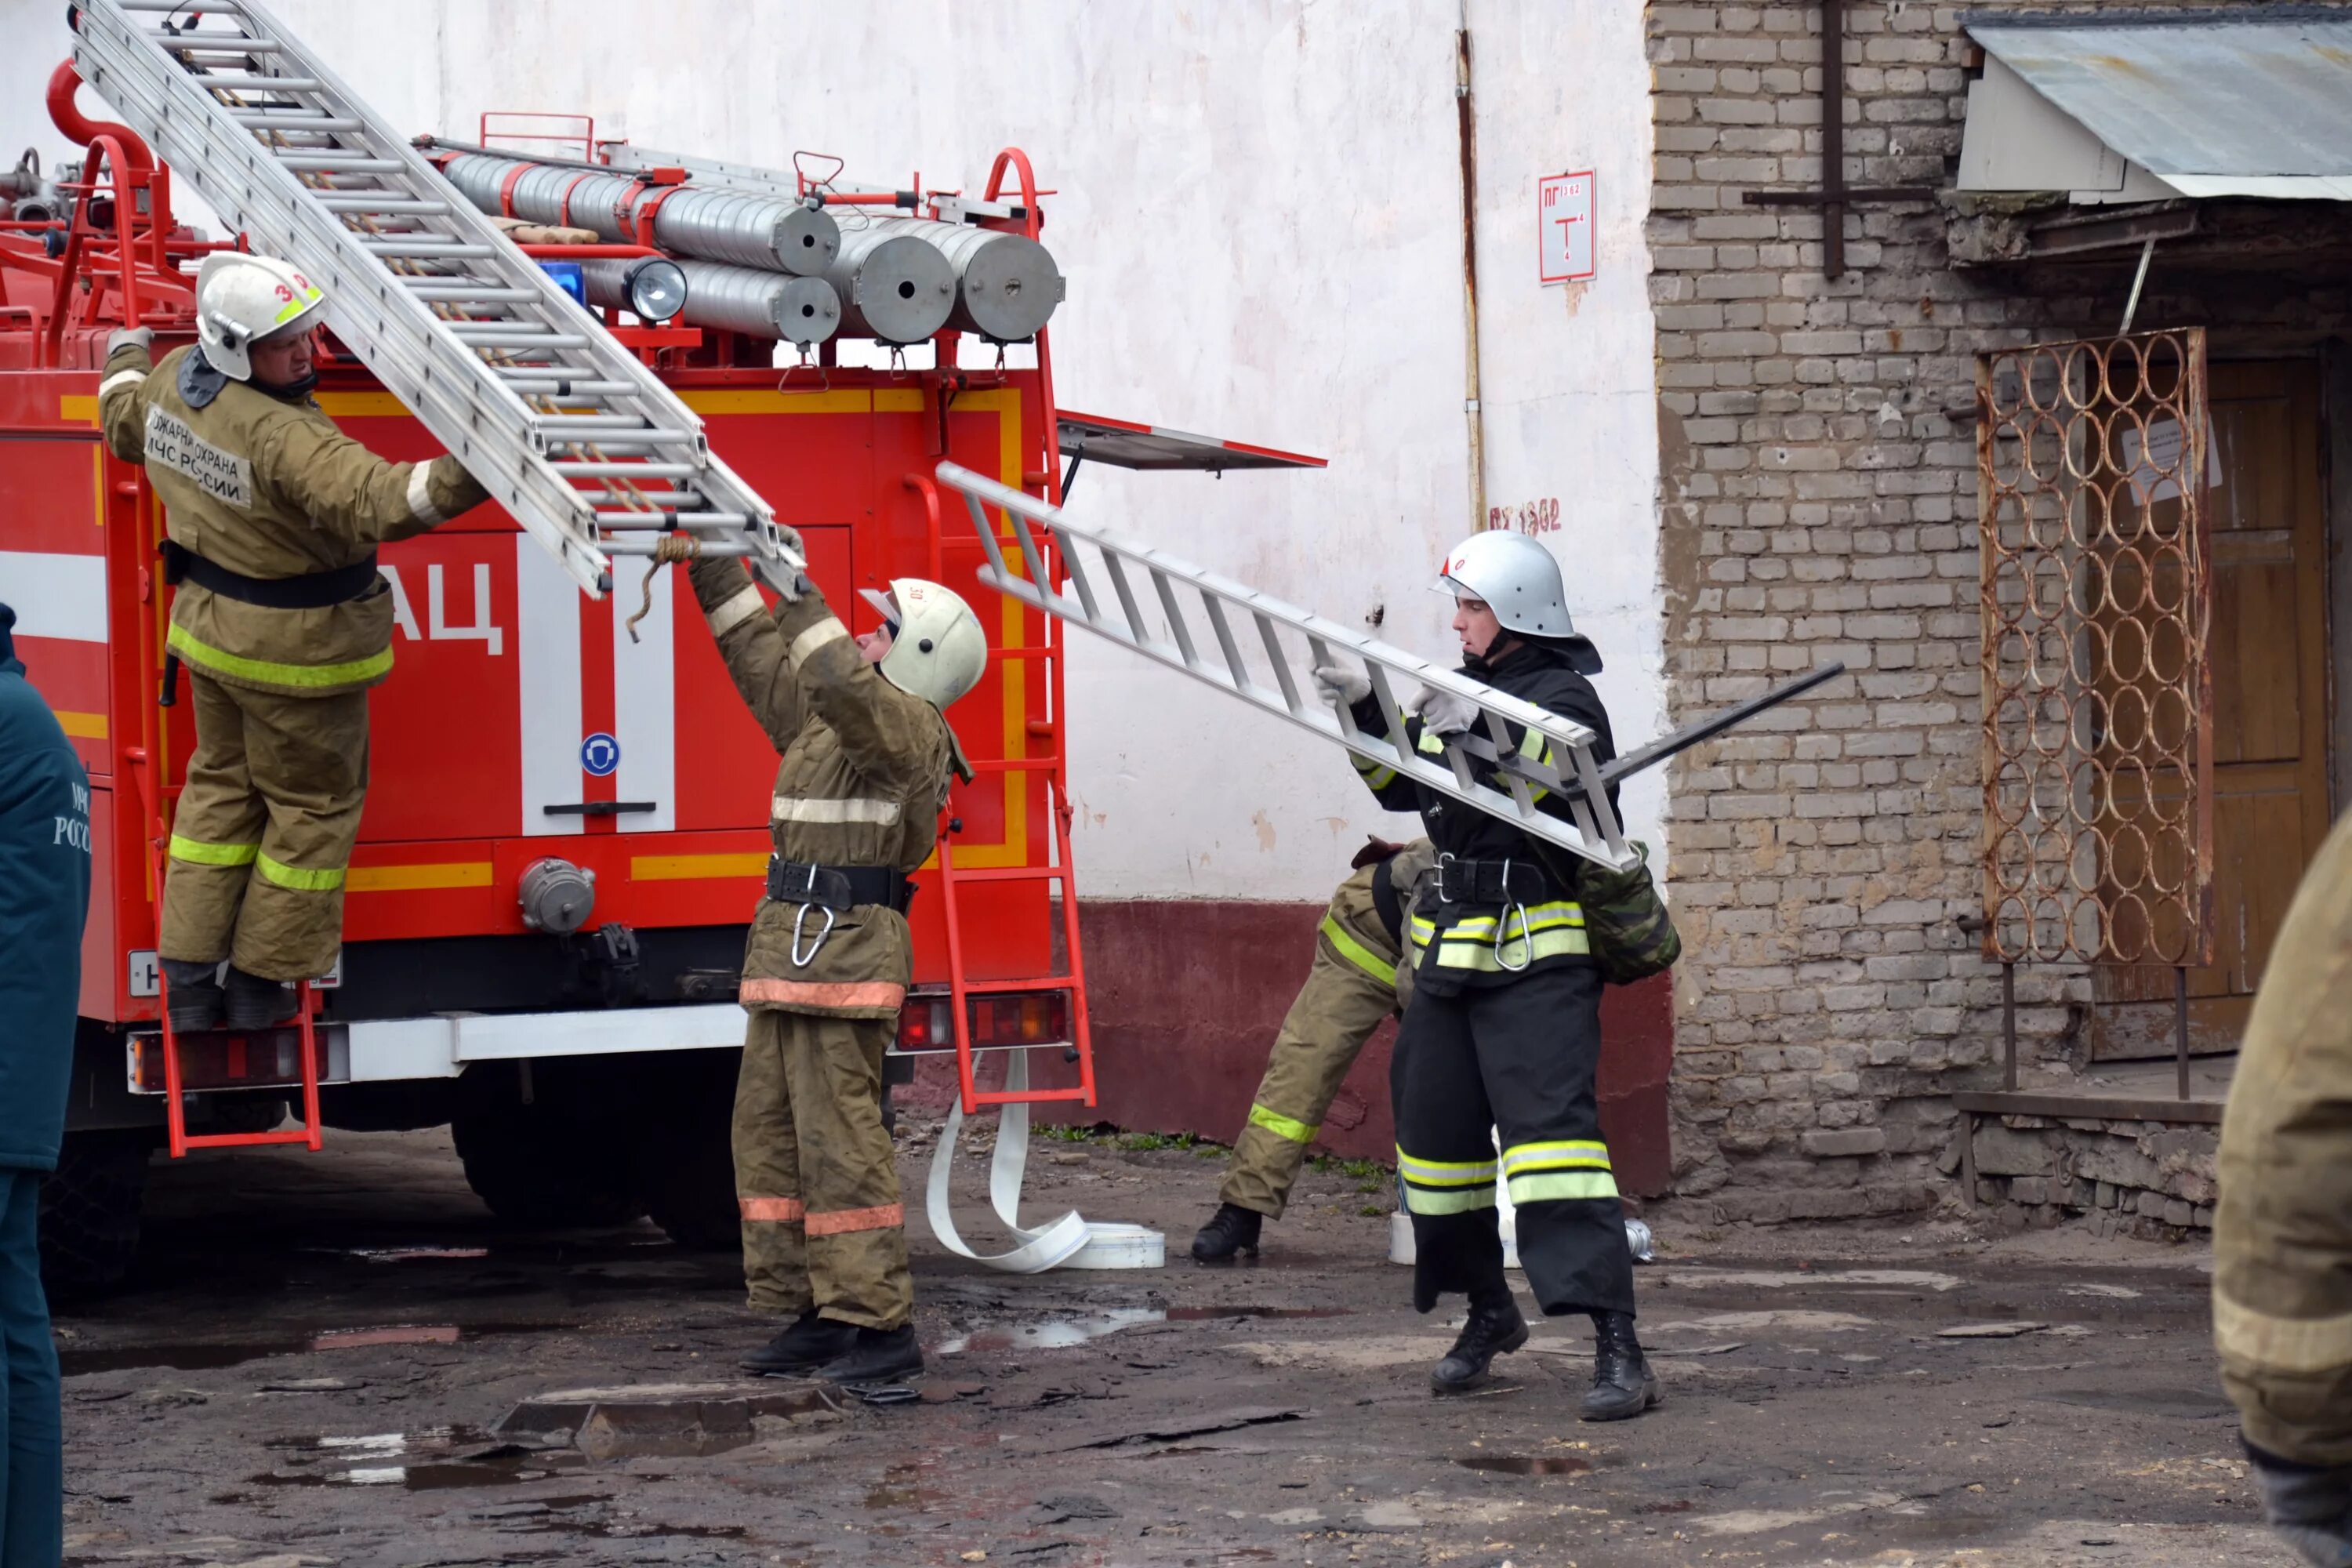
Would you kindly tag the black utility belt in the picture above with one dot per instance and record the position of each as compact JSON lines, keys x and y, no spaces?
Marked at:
{"x":1458,"y":880}
{"x":312,"y":591}
{"x":839,"y":886}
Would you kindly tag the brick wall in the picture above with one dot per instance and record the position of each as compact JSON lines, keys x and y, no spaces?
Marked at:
{"x":1819,"y":501}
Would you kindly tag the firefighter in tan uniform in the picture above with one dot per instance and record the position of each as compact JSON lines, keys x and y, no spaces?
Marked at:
{"x":2283,"y":1232}
{"x":1358,"y":978}
{"x":867,"y":758}
{"x":283,"y":623}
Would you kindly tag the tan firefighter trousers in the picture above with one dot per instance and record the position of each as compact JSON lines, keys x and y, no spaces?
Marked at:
{"x":822,"y":1226}
{"x":263,"y":829}
{"x":1353,"y":985}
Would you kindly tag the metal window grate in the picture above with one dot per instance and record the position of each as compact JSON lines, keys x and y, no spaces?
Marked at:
{"x":2096,"y":603}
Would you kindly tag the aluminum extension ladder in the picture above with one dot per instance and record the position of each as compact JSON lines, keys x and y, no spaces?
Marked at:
{"x":1295,"y":642}
{"x":564,"y":425}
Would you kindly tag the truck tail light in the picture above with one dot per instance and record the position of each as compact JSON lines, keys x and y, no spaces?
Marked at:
{"x":267,"y":1058}
{"x":997,"y":1018}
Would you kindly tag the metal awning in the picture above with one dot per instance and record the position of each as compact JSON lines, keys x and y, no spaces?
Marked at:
{"x":1123,"y":444}
{"x":2250,"y":100}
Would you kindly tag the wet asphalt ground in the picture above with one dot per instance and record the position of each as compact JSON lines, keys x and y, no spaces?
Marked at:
{"x":338,"y":1359}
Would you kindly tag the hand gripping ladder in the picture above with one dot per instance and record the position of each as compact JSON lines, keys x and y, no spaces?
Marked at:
{"x":562,"y":424}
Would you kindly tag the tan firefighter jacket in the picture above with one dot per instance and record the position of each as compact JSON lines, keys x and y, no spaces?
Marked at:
{"x":267,"y":487}
{"x":866,"y":769}
{"x":2283,"y":1231}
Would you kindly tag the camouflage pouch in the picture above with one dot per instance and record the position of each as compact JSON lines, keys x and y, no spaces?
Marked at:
{"x":1631,"y":934}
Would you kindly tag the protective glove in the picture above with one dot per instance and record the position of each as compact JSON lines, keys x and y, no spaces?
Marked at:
{"x":143,"y":336}
{"x":2309,"y":1505}
{"x":1443,"y":712}
{"x":1337,"y":683}
{"x":787,"y":584}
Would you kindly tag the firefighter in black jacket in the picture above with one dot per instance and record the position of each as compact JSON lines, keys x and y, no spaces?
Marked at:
{"x":1504,"y":1031}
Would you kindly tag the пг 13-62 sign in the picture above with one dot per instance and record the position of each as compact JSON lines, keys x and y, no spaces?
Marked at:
{"x":1564,"y":226}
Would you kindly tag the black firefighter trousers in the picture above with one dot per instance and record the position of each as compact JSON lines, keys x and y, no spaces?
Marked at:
{"x":1515,"y":1059}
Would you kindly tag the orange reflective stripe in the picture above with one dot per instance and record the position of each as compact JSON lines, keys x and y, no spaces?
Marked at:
{"x":889,"y":1216}
{"x":824,"y":992}
{"x":783,"y":1211}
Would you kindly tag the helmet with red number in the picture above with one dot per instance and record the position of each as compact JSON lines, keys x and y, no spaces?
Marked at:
{"x":1517,"y":579}
{"x":242,"y":299}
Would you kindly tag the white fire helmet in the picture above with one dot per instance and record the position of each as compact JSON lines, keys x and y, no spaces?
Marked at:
{"x":241,"y":300}
{"x":938,"y":650}
{"x":1517,"y":579}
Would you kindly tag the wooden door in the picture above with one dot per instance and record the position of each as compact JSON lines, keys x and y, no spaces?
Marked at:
{"x":2269,"y":654}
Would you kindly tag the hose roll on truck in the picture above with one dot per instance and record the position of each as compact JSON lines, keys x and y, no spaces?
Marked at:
{"x":567,"y":827}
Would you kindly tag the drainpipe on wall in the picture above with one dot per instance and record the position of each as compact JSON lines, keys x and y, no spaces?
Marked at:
{"x":1466,"y":115}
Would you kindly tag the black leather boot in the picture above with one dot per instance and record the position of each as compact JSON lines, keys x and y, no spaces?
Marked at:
{"x":800,"y":1349}
{"x":254,"y":1003}
{"x":193,"y":993}
{"x":1495,"y":1329}
{"x":1622,"y":1384}
{"x":1231,"y":1232}
{"x":877,"y":1355}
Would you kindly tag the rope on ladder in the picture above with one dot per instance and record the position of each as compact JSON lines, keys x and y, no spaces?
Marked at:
{"x":669,"y":547}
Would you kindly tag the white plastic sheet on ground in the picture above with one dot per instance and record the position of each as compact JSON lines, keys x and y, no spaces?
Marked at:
{"x":1069,"y":1241}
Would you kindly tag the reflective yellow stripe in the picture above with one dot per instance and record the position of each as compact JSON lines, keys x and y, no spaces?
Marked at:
{"x":1444,"y":1173}
{"x":1556,"y":1187}
{"x":1282,"y":1126}
{"x":1553,"y":929}
{"x":1541,"y":917}
{"x":301,"y":878}
{"x":197,"y":852}
{"x":1416,"y":1201}
{"x":1375,"y":775}
{"x":1381,"y":969}
{"x":1575,"y":1152}
{"x":1432,"y":741}
{"x":245,"y":668}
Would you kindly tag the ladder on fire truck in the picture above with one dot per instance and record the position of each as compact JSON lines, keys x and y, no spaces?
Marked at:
{"x":567,"y":428}
{"x":1553,"y":755}
{"x":564,"y":425}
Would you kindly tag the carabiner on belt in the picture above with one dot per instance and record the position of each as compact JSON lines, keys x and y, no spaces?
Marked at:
{"x":802,"y":960}
{"x":1503,"y":926}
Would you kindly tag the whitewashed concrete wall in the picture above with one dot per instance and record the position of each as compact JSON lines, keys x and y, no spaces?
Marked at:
{"x":1258,"y":210}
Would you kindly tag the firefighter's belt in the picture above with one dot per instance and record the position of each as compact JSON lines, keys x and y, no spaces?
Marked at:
{"x":312,"y":591}
{"x":1461,"y":881}
{"x":839,"y":886}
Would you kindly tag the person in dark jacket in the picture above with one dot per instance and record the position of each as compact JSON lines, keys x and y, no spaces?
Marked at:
{"x":44,"y":895}
{"x":1503,"y":1035}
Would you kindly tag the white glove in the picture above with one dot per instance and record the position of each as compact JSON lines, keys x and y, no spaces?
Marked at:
{"x":143,"y":336}
{"x":1443,"y":712}
{"x":1337,"y":683}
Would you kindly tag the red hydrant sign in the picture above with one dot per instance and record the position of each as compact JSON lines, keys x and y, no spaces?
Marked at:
{"x":1564,"y":226}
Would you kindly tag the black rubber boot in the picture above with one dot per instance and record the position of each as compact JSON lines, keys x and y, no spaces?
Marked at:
{"x":1622,"y":1384}
{"x":1495,"y":1329}
{"x":255,"y":1003}
{"x":193,"y":992}
{"x":1231,"y":1233}
{"x":800,"y":1349}
{"x":877,"y":1355}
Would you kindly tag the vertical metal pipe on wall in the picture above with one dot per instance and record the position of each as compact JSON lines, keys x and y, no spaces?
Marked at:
{"x":1466,"y":116}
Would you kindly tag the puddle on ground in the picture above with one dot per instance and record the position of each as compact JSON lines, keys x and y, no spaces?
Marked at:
{"x":631,"y":1530}
{"x":209,"y":1357}
{"x":1060,"y":1333}
{"x":1526,"y":1464}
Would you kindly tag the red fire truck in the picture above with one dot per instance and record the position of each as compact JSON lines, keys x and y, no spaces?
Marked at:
{"x":567,"y":827}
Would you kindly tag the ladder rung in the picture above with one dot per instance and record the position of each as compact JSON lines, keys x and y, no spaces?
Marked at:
{"x":481,"y":293}
{"x":592,"y":470}
{"x":617,"y":424}
{"x":617,"y":440}
{"x":213,"y":44}
{"x":422,"y":249}
{"x":671,"y":500}
{"x":631,"y":520}
{"x":220,"y":82}
{"x":304,"y":158}
{"x":219,"y":8}
{"x":501,"y":335}
{"x":536,"y":379}
{"x":364,"y":203}
{"x":302,"y":119}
